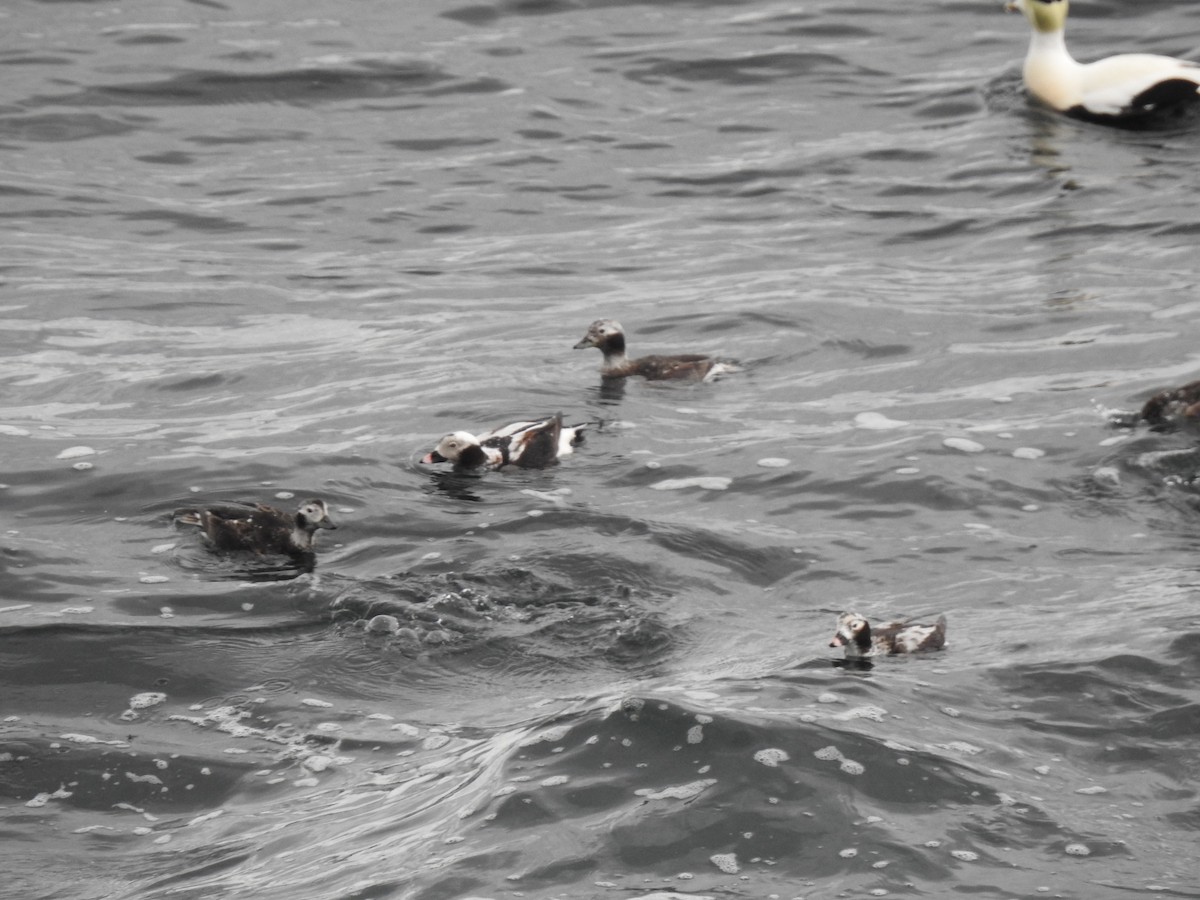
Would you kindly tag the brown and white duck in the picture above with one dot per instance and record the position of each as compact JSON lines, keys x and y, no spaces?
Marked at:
{"x":609,"y":337}
{"x":859,"y":638}
{"x":1174,"y":406}
{"x":259,"y":528}
{"x":528,"y":445}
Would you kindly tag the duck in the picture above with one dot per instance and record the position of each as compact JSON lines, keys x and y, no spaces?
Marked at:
{"x":609,"y":337}
{"x":528,"y":445}
{"x":855,"y":634}
{"x":1174,"y":406}
{"x":259,"y":528}
{"x":1123,"y":88}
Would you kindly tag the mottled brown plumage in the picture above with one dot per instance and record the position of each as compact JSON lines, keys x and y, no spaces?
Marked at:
{"x":259,"y":528}
{"x":529,"y":445}
{"x":609,"y":337}
{"x":856,"y":635}
{"x":1179,"y":405}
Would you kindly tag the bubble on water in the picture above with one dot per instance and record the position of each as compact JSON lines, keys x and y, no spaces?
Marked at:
{"x":848,"y":853}
{"x":908,"y":470}
{"x":851,"y":767}
{"x":963,"y":445}
{"x":554,"y":780}
{"x":1106,"y":476}
{"x":726,"y":862}
{"x":771,"y":757}
{"x":951,"y":712}
{"x":828,"y":697}
{"x":878,"y":892}
{"x":933,"y":844}
{"x":1094,"y":789}
{"x":873,"y":421}
{"x":678,"y":792}
{"x":1042,"y":770}
{"x":383,"y":624}
{"x":153,"y":579}
{"x":695,"y":734}
{"x":311,"y":701}
{"x":874,"y":713}
{"x":1028,"y":453}
{"x":1078,"y":849}
{"x":773,"y":462}
{"x":284,"y":495}
{"x":828,"y":753}
{"x":965,"y":855}
{"x":705,"y":482}
{"x":882,"y":864}
{"x":146,"y":700}
{"x":76,"y":452}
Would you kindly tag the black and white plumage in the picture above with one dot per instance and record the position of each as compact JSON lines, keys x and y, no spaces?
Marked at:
{"x":1174,"y":406}
{"x":859,"y":638}
{"x":529,"y":445}
{"x":259,"y":528}
{"x":1124,"y":88}
{"x":609,"y":337}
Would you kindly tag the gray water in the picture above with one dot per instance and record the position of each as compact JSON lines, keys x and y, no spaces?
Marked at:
{"x":274,"y":250}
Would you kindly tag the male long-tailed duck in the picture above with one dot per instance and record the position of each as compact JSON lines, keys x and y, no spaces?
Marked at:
{"x":856,"y":635}
{"x":259,"y":528}
{"x":1174,"y":406}
{"x":529,"y":445}
{"x":1122,"y":88}
{"x":609,"y":337}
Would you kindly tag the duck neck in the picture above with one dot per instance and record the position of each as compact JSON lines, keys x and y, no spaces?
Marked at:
{"x":614,"y":351}
{"x":1051,"y":74}
{"x":302,"y":532}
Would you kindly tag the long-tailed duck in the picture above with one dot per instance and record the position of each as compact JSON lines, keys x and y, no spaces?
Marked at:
{"x":529,"y":445}
{"x":1122,"y":88}
{"x":259,"y":528}
{"x":1174,"y":406}
{"x":609,"y":337}
{"x":856,"y":635}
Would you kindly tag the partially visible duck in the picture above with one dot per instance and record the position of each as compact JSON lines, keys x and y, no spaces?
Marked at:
{"x":1173,"y":406}
{"x":609,"y":337}
{"x":856,"y":635}
{"x":259,"y":528}
{"x":529,"y":445}
{"x":1122,"y":88}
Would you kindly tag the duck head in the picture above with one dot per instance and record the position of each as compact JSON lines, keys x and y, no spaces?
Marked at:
{"x":314,"y":514}
{"x":1044,"y":15}
{"x":853,"y":633}
{"x":451,"y":448}
{"x":607,"y":334}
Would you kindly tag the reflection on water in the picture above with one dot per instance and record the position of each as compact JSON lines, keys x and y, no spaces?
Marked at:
{"x":268,"y":253}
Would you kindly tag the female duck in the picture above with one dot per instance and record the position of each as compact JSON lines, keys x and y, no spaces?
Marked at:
{"x":856,"y":635}
{"x":1125,"y":87}
{"x":529,"y":445}
{"x":609,"y":337}
{"x":259,"y":528}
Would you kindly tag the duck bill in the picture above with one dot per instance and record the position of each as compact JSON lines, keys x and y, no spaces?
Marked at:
{"x":586,"y":342}
{"x":433,"y":457}
{"x":838,"y":641}
{"x":327,"y":523}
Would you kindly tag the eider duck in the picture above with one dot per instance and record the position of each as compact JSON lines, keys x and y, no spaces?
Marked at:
{"x":259,"y":528}
{"x":529,"y":445}
{"x":1175,"y":406}
{"x":856,"y":635}
{"x":1122,"y":88}
{"x":609,"y":337}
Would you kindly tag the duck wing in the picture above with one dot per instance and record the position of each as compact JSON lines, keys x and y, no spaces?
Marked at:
{"x":538,"y":446}
{"x":1136,"y":84}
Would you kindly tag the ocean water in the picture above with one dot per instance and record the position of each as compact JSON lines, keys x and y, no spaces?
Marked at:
{"x":274,"y":250}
